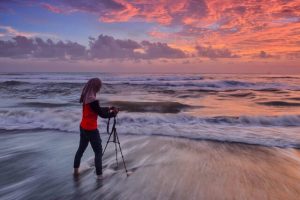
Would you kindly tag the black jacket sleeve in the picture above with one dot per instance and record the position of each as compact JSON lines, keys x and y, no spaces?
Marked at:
{"x":103,"y":112}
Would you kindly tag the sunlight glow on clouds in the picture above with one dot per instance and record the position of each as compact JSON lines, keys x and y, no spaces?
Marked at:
{"x":238,"y":25}
{"x":192,"y":30}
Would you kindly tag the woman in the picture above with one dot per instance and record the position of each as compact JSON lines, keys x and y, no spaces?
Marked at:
{"x":88,"y":125}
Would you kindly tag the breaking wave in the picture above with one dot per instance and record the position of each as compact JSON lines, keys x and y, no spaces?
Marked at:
{"x":45,"y":104}
{"x":63,"y":119}
{"x":13,"y":83}
{"x":222,"y":128}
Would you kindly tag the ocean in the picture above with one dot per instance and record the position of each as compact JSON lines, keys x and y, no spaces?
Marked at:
{"x":223,"y":115}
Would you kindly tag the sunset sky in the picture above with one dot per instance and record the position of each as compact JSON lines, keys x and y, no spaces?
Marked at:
{"x":208,"y":36}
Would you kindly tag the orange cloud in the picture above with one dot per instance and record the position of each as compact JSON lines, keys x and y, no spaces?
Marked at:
{"x":245,"y":27}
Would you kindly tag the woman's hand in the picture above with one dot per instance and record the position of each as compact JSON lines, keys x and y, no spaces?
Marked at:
{"x":114,"y":110}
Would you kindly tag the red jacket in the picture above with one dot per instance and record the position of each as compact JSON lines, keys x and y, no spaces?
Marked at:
{"x":90,"y":114}
{"x":89,"y":118}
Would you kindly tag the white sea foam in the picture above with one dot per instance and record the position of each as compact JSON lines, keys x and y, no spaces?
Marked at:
{"x":66,"y":120}
{"x":233,"y":129}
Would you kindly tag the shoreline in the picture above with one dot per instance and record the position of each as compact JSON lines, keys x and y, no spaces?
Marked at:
{"x":153,"y":135}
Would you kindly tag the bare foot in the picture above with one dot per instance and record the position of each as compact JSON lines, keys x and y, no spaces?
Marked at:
{"x":129,"y":173}
{"x":76,"y":172}
{"x":99,"y":177}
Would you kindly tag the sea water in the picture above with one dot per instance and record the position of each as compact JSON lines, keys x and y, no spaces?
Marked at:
{"x":253,"y":109}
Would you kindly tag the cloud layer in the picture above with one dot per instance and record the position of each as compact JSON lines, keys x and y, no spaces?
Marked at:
{"x":213,"y":53}
{"x":23,"y":47}
{"x":102,"y":47}
{"x":243,"y":29}
{"x":244,"y":26}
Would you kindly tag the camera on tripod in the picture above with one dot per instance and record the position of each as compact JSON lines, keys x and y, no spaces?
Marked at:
{"x":114,"y":111}
{"x":109,"y":112}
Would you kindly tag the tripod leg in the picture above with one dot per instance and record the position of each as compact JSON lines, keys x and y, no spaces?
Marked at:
{"x":106,"y":144}
{"x":116,"y":149}
{"x":122,"y":154}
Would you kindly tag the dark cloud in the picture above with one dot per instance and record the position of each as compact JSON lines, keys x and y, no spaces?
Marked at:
{"x":160,"y":50}
{"x":214,"y":53}
{"x":108,"y":47}
{"x":99,"y":48}
{"x":50,"y":49}
{"x":20,"y":47}
{"x":94,"y":5}
{"x":264,"y":54}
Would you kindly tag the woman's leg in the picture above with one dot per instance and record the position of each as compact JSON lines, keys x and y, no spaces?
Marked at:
{"x":97,"y":148}
{"x":84,"y":141}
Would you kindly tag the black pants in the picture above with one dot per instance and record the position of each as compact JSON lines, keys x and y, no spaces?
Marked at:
{"x":94,"y":138}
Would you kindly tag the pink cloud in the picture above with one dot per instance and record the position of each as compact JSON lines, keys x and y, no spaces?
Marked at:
{"x":8,"y":31}
{"x":52,"y":8}
{"x":243,"y":26}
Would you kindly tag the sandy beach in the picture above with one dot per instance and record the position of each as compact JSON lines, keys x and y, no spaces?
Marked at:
{"x":163,"y":168}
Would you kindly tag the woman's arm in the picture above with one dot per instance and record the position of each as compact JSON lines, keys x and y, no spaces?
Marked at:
{"x":103,"y":112}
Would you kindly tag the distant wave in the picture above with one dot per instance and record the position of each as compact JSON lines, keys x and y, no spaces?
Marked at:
{"x":294,"y":98}
{"x":165,"y":84}
{"x":276,"y":90}
{"x":281,"y":77}
{"x":159,"y":107}
{"x":13,"y":83}
{"x":45,"y":104}
{"x":200,"y":84}
{"x":240,"y":94}
{"x":45,"y":84}
{"x":12,"y":74}
{"x":212,"y":85}
{"x":279,"y":103}
{"x":178,"y":78}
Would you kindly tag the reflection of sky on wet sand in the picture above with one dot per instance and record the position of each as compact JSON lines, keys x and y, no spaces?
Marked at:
{"x":163,"y":168}
{"x":231,"y":104}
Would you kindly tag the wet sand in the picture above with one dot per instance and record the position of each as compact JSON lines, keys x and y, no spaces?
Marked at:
{"x":38,"y":165}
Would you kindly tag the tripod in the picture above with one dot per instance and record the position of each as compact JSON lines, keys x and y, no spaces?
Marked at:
{"x":115,"y":139}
